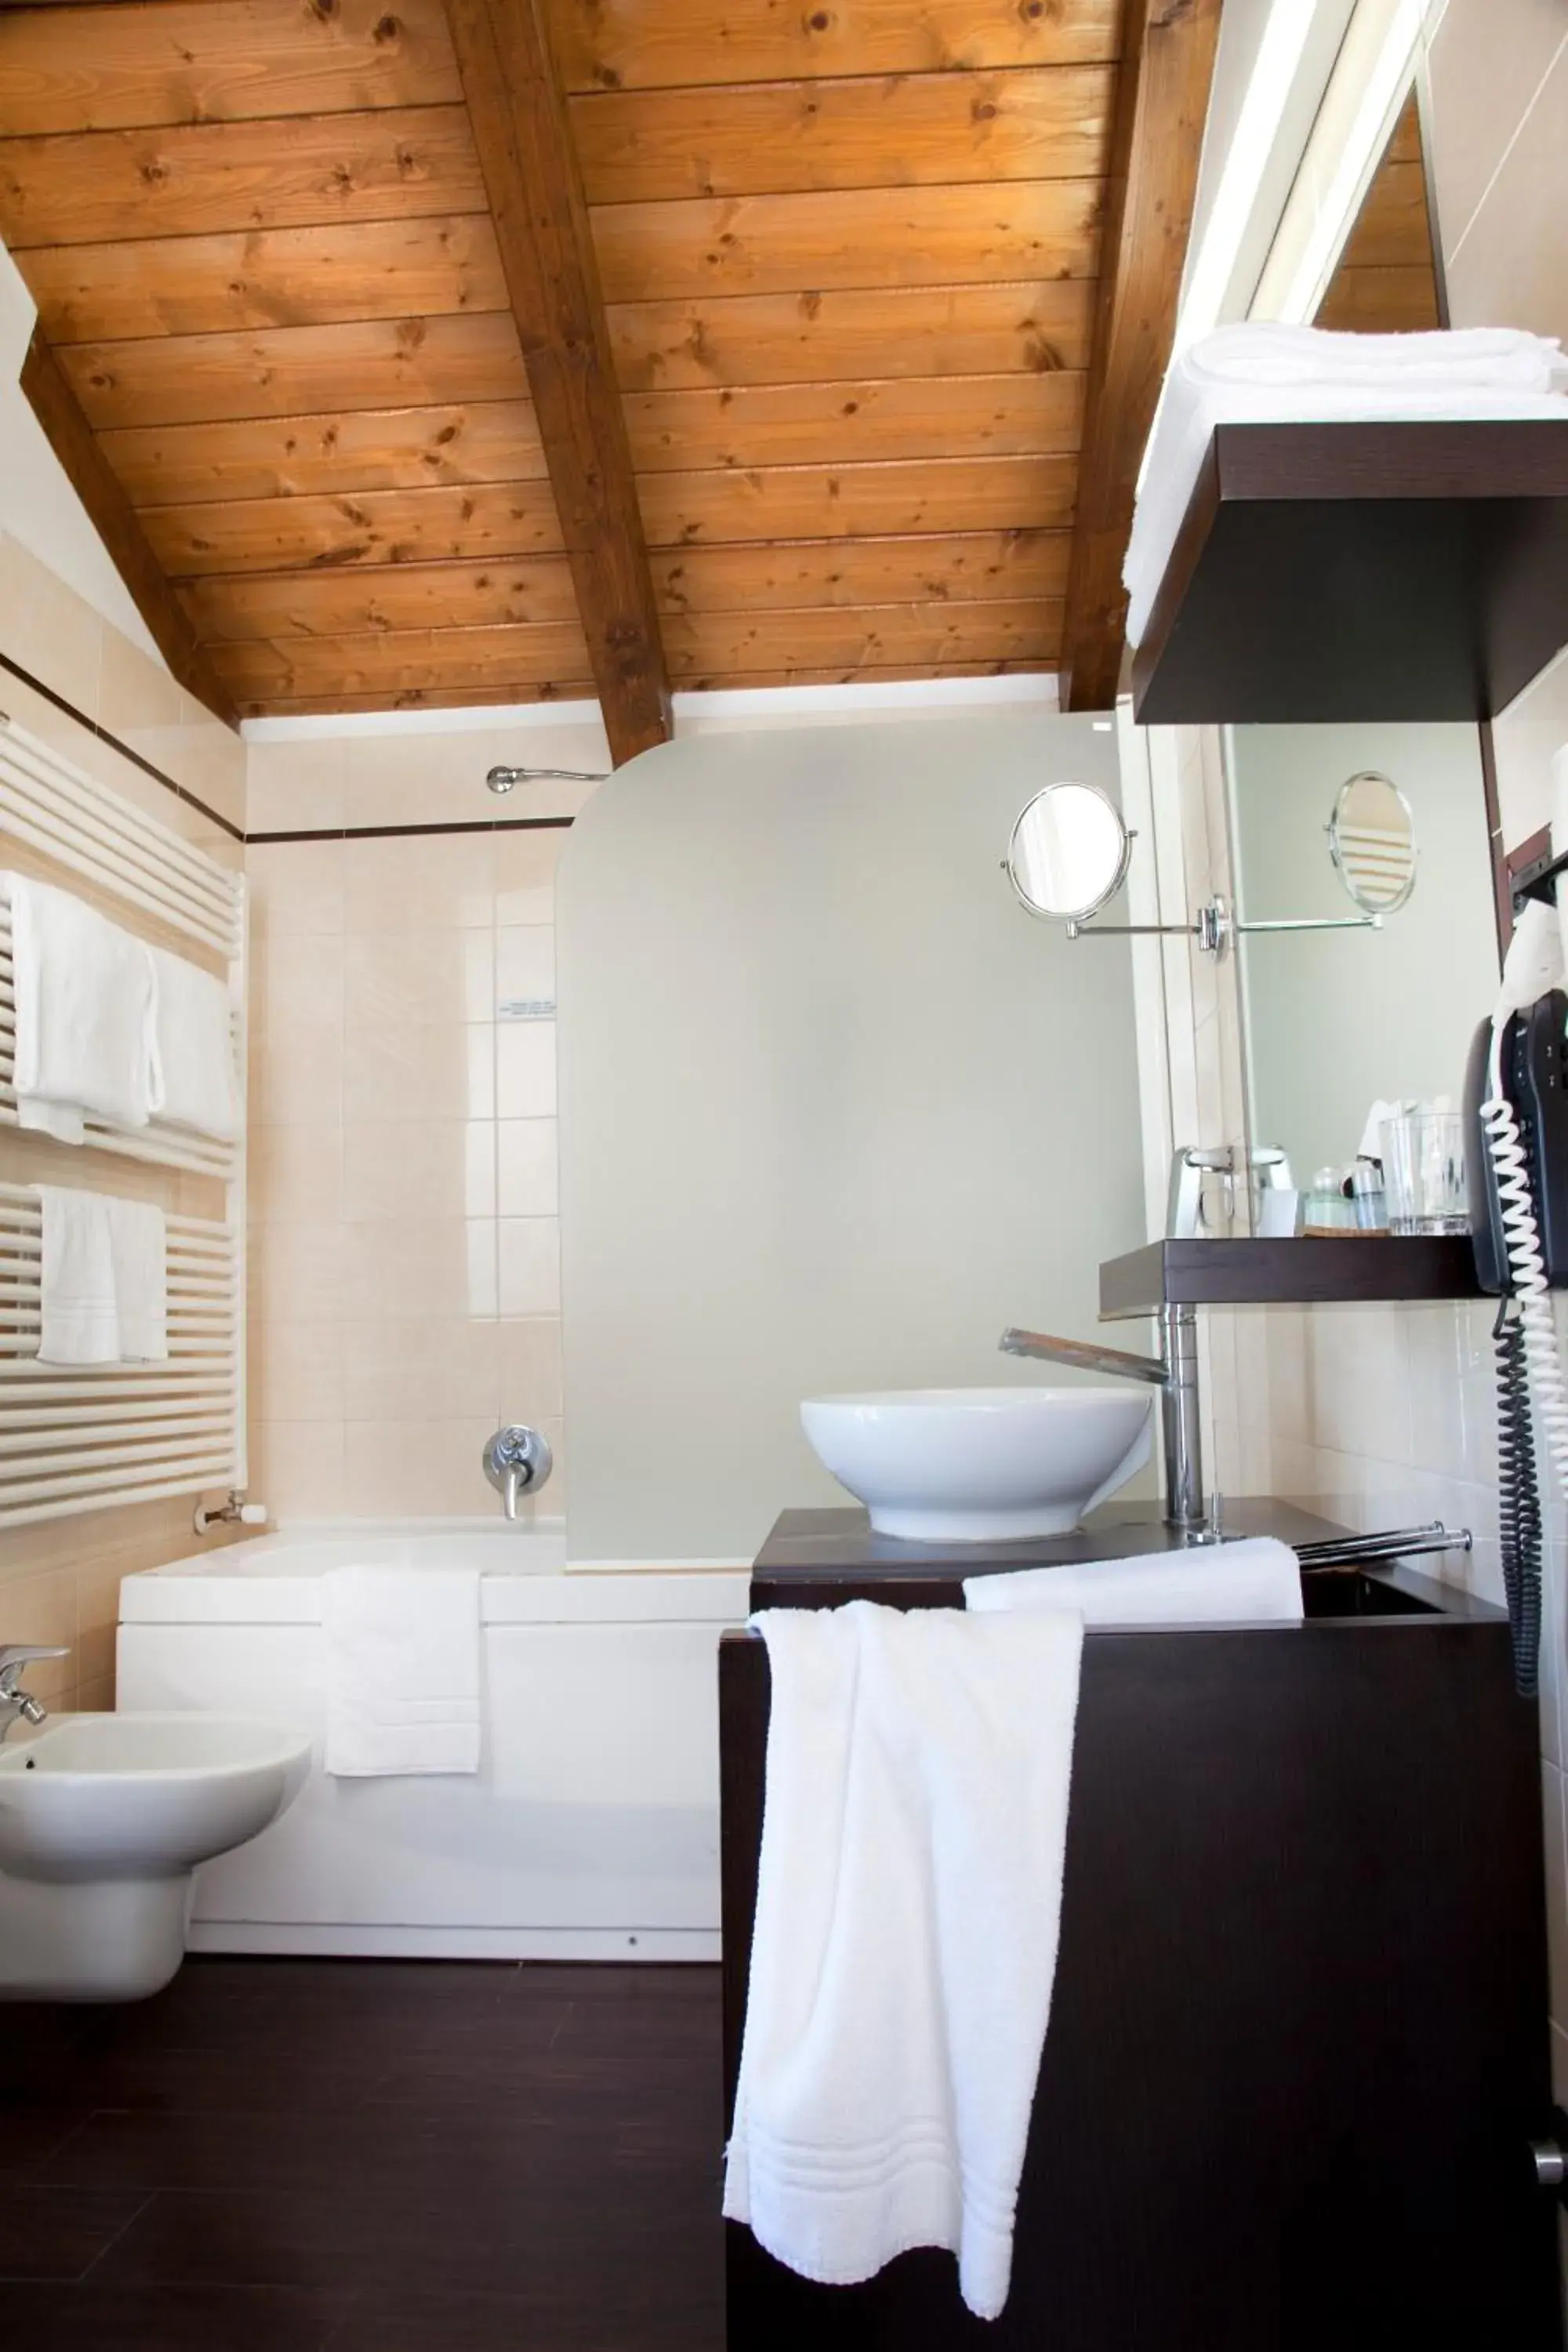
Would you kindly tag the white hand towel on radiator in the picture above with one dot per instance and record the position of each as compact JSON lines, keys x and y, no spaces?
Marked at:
{"x":80,"y":1318}
{"x":103,"y":1279}
{"x":138,"y":1240}
{"x":194,"y":1080}
{"x":84,"y":1013}
{"x":403,"y":1670}
{"x":1252,"y":1582}
{"x":905,"y":1944}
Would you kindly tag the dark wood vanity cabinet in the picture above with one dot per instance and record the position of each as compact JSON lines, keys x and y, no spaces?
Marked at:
{"x":1299,"y":2045}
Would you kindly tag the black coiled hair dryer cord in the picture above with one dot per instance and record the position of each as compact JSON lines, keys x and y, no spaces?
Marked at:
{"x":1519,"y":1502}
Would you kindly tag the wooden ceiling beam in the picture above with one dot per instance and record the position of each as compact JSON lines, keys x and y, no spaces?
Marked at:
{"x":1167,"y":66}
{"x":74,"y":443}
{"x":532,"y":174}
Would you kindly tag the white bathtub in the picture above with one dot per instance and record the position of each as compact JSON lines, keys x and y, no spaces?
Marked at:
{"x":592,"y":1828}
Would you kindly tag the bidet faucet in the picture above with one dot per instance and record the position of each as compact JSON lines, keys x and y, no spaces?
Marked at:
{"x":516,"y":1462}
{"x":1174,"y":1371}
{"x":14,"y":1700}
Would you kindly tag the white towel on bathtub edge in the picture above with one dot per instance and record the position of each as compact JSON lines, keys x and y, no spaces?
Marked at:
{"x":904,"y":1949}
{"x":403,"y":1671}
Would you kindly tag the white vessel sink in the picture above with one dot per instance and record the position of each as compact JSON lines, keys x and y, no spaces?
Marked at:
{"x":980,"y":1465}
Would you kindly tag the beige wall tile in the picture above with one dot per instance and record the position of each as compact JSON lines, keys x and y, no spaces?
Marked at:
{"x":396,"y":1071}
{"x":441,"y":882}
{"x":42,"y":1608}
{"x":209,"y":759}
{"x":525,"y":1070}
{"x":419,"y":1468}
{"x":526,"y":960}
{"x":297,"y":1369}
{"x":296,"y":1468}
{"x":1485,"y":60}
{"x":529,"y":1265}
{"x":418,"y":1266}
{"x":531,"y":1368}
{"x":525,"y":875}
{"x":420,"y":977}
{"x":527,"y":1168}
{"x":296,"y":1273}
{"x":292,"y":1088}
{"x":296,"y":887}
{"x":1510,"y":268}
{"x":138,"y":700}
{"x":297,"y":987}
{"x":296,"y":1173}
{"x":415,"y":1168}
{"x":293,"y":786}
{"x":402,"y":1367}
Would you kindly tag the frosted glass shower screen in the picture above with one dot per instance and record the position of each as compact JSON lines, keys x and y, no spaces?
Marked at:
{"x":834,"y":1109}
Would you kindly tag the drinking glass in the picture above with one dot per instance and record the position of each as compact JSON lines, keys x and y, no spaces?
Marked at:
{"x":1424,"y":1172}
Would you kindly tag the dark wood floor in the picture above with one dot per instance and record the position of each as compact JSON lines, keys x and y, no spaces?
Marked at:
{"x":288,"y":2156}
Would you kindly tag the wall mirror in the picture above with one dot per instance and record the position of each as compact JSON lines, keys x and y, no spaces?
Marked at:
{"x":1336,"y":1019}
{"x":1069,"y":850}
{"x":1069,"y":854}
{"x":1372,"y":842}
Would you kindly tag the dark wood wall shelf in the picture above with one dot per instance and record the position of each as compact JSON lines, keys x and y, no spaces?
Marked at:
{"x":1365,"y":1268}
{"x":1361,"y":571}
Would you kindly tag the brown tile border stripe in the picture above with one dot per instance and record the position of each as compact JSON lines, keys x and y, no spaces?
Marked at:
{"x":320,"y":833}
{"x":125,"y":749}
{"x":399,"y":832}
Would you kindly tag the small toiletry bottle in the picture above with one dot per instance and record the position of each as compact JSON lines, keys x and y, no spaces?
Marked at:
{"x":1366,"y":1194}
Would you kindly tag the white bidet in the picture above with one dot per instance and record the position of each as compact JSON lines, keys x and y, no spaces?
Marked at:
{"x":103,"y":1820}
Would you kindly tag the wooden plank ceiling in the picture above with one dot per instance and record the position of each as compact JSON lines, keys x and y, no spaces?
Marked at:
{"x":848,"y":251}
{"x":1387,"y":280}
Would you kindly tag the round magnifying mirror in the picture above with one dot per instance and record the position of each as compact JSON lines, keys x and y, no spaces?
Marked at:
{"x":1069,"y":852}
{"x":1372,"y":840}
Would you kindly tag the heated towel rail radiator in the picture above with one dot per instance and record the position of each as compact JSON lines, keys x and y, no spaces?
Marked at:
{"x":82,"y":1438}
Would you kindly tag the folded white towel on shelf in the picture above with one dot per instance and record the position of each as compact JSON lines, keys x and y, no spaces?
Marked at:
{"x":80,"y":1318}
{"x":1261,"y":373}
{"x":138,"y":1237}
{"x":403,"y":1670}
{"x":1252,"y":1582}
{"x":193,"y":1078}
{"x":84,"y":1013}
{"x":905,"y":1941}
{"x":1265,"y":351}
{"x":103,"y":1279}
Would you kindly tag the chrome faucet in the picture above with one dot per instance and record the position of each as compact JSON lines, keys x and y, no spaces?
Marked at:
{"x":516,"y":1462}
{"x":14,"y":1700}
{"x":1174,"y":1371}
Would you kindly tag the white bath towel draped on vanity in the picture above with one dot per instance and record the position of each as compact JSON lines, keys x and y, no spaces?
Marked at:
{"x":403,"y":1670}
{"x":905,"y":1942}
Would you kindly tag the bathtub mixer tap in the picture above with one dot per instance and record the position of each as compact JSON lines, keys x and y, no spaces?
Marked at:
{"x":516,"y":1462}
{"x":14,"y":1700}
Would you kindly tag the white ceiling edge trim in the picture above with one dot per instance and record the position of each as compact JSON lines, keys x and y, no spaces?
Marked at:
{"x":889,"y":694}
{"x":719,"y":702}
{"x":470,"y":718}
